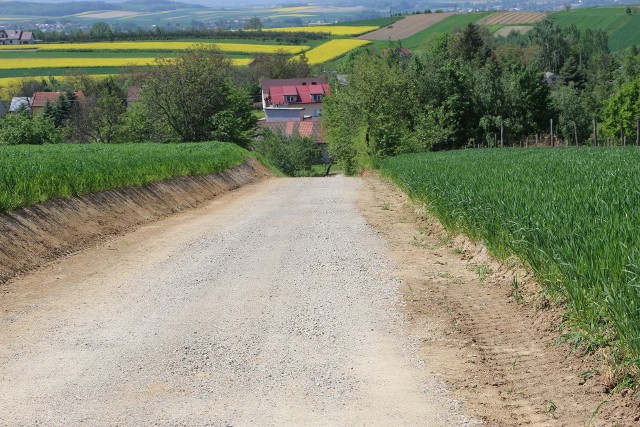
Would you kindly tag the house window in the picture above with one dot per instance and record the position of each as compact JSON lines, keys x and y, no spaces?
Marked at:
{"x":291,"y":98}
{"x":317,"y":97}
{"x":317,"y":112}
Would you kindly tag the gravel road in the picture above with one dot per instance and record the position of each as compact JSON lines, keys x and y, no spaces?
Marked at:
{"x":273,"y":305}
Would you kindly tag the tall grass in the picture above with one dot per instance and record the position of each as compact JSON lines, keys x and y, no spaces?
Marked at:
{"x":572,"y":214}
{"x":33,"y":174}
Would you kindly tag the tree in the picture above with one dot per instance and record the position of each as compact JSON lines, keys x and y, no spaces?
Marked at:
{"x":237,"y":122}
{"x":279,"y":65}
{"x":253,"y":24}
{"x":188,"y":90}
{"x":554,"y":47}
{"x":22,"y":128}
{"x":99,"y":118}
{"x":293,"y":155}
{"x":100,"y":31}
{"x":573,"y":119}
{"x":623,"y":110}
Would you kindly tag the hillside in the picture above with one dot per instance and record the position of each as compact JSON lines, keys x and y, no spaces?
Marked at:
{"x":623,"y":28}
{"x":15,"y":8}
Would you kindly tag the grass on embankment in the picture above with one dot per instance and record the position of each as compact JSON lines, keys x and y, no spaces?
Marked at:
{"x":32,"y":174}
{"x":571,"y":214}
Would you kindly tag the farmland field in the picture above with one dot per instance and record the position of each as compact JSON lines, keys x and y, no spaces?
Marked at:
{"x":33,"y":174}
{"x":622,"y":28}
{"x":448,"y":25}
{"x":406,"y":27}
{"x":512,"y":18}
{"x":158,"y":47}
{"x":332,"y":50}
{"x":570,"y":214}
{"x":334,"y":30}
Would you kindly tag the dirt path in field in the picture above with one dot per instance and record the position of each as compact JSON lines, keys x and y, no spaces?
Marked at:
{"x":406,"y":27}
{"x":493,"y":343}
{"x":275,"y":304}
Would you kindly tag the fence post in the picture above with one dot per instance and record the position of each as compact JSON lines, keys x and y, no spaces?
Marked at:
{"x":638,"y":132}
{"x":595,"y":133}
{"x":501,"y":134}
{"x":622,"y":138}
{"x":575,"y":131}
{"x":552,"y":143}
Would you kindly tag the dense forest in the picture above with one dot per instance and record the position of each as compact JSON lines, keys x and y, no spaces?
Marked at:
{"x":471,"y":89}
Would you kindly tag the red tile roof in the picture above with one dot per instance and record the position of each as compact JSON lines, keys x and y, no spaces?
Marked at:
{"x":40,"y":98}
{"x":307,"y":128}
{"x":274,"y":91}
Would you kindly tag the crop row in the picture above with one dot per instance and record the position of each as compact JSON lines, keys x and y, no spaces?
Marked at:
{"x":22,"y":63}
{"x":159,"y":46}
{"x":571,"y":214}
{"x":333,"y":49}
{"x":33,"y":174}
{"x":335,"y":30}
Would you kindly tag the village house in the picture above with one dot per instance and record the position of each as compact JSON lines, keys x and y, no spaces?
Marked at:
{"x":40,"y":99}
{"x":9,"y":37}
{"x":294,"y":106}
{"x":293,"y":99}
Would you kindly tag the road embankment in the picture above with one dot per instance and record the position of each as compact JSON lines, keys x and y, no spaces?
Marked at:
{"x":33,"y":236}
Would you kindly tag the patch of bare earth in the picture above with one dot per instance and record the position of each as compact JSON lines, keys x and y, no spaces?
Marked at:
{"x":509,"y":18}
{"x":406,"y":27}
{"x":493,"y":342}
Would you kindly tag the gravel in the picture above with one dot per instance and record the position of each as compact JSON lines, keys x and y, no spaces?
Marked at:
{"x":273,"y":305}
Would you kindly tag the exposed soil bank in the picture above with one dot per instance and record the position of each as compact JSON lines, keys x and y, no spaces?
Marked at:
{"x":493,"y":342}
{"x":33,"y":236}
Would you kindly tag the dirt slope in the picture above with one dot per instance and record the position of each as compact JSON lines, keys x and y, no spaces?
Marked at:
{"x":275,"y":304}
{"x":35,"y":235}
{"x":490,"y":341}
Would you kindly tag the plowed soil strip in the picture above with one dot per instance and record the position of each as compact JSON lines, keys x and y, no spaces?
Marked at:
{"x":487,"y":337}
{"x":406,"y":27}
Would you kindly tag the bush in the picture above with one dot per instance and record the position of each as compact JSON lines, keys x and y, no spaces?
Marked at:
{"x":293,"y":155}
{"x":22,"y":128}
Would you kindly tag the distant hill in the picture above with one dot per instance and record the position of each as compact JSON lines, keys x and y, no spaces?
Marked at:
{"x":72,"y":8}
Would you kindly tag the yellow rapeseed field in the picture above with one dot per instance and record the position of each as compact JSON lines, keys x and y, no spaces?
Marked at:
{"x":333,"y":49}
{"x":21,"y":63}
{"x":334,"y":30}
{"x":160,"y":46}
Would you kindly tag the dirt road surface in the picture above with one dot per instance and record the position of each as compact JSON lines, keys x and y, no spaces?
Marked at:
{"x":274,"y":304}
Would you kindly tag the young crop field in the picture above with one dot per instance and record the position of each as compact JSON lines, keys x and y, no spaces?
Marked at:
{"x":332,"y":50}
{"x":570,"y":214}
{"x":623,"y":29}
{"x":33,"y":174}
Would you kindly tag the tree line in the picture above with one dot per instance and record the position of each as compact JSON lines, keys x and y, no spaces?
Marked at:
{"x":471,"y":89}
{"x":103,"y":32}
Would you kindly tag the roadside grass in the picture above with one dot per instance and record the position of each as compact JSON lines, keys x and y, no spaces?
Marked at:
{"x":570,"y":214}
{"x":33,"y":174}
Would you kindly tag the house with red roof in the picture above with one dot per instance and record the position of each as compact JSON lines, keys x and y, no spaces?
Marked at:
{"x":293,"y":99}
{"x":40,"y":99}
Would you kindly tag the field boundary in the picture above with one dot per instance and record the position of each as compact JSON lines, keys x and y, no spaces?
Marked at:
{"x":34,"y":236}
